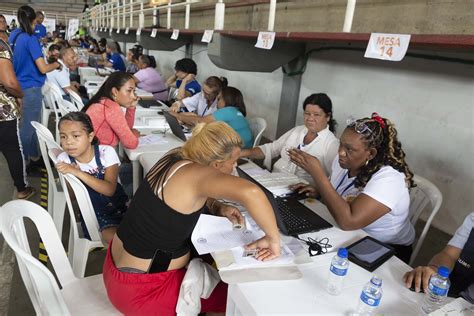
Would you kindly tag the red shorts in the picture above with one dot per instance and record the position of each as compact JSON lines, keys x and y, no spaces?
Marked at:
{"x":153,"y":294}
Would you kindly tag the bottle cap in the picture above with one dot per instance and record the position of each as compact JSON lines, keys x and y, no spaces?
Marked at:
{"x":342,"y":252}
{"x":443,"y":271}
{"x":376,"y":281}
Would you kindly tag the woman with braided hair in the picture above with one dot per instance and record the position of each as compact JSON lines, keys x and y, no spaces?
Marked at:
{"x":369,"y":183}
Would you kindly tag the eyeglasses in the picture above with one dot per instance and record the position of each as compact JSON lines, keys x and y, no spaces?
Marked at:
{"x":360,"y":127}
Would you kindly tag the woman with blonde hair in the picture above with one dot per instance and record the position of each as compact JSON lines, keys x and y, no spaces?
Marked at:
{"x":146,"y":260}
{"x":369,"y":183}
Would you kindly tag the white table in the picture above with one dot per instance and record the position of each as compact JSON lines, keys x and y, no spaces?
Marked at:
{"x":158,"y":150}
{"x":308,"y":296}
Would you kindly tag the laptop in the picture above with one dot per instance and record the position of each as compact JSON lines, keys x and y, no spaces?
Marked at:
{"x":149,"y":103}
{"x":175,"y":126}
{"x":293,"y":218}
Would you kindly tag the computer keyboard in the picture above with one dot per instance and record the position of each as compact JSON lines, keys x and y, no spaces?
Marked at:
{"x":292,"y":222}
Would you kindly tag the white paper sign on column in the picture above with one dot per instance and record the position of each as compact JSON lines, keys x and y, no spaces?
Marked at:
{"x":175,"y":34}
{"x":207,"y":36}
{"x":392,"y":47}
{"x":153,"y":32}
{"x":118,"y":31}
{"x":127,"y":30}
{"x":139,"y":31}
{"x":265,"y":40}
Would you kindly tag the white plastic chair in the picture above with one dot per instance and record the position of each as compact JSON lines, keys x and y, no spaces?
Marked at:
{"x":79,"y":246}
{"x":47,"y":107}
{"x":425,"y":192}
{"x":76,"y":100}
{"x":54,"y":100}
{"x":85,"y":296}
{"x":258,"y":125}
{"x":56,"y":198}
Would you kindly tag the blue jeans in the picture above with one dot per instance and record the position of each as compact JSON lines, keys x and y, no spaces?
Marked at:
{"x":32,"y":104}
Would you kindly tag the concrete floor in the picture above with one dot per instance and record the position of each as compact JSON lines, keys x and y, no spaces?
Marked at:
{"x":14,"y":299}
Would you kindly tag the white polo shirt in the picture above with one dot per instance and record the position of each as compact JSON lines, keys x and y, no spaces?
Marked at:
{"x":324,"y":147}
{"x":386,"y":186}
{"x":197,"y":103}
{"x":60,"y":78}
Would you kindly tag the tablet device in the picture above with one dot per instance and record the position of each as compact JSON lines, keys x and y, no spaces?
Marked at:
{"x":369,"y":253}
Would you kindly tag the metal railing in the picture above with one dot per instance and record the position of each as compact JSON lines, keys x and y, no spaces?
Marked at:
{"x":120,"y":14}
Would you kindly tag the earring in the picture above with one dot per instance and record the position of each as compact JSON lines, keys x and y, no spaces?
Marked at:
{"x":115,"y":98}
{"x":367,"y":162}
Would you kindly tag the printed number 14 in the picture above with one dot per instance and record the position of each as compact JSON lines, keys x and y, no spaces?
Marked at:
{"x":388,"y":52}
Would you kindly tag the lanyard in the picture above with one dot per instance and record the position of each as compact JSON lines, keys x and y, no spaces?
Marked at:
{"x":340,"y":183}
{"x":205,"y":110}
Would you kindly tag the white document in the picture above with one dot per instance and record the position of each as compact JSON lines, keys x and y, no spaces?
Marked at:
{"x":265,"y":40}
{"x":151,"y":140}
{"x":215,"y":233}
{"x":392,"y":47}
{"x":175,"y":34}
{"x":207,"y":36}
{"x":458,"y":307}
{"x":286,"y":257}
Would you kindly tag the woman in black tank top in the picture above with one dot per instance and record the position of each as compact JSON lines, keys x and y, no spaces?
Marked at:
{"x":146,"y":260}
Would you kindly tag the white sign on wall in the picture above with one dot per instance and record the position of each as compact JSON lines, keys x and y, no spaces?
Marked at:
{"x":207,"y":36}
{"x":265,"y":40}
{"x":73,"y":27}
{"x":175,"y":34}
{"x":50,"y":25}
{"x":392,"y":47}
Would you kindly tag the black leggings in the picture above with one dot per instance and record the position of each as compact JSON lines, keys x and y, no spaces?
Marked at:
{"x":11,"y":149}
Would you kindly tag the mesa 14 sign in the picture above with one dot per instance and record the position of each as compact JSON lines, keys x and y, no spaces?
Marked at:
{"x":391,"y":47}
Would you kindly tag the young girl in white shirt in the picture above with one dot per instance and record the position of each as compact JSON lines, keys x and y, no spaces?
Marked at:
{"x":369,"y":183}
{"x":97,"y":167}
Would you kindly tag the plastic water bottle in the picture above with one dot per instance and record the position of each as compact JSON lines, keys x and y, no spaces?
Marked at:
{"x":337,"y":272}
{"x":437,"y":290}
{"x":370,"y":297}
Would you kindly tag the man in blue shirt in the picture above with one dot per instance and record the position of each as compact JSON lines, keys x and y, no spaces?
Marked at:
{"x":40,"y":29}
{"x":114,"y":59}
{"x":184,"y":79}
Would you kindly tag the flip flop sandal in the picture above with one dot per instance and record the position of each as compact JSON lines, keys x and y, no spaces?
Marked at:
{"x":30,"y":192}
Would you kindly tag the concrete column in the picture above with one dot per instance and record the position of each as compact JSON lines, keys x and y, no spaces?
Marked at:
{"x":290,"y":92}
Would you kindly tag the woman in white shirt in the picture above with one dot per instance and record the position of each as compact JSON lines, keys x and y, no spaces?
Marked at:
{"x":315,"y":137}
{"x":369,"y":183}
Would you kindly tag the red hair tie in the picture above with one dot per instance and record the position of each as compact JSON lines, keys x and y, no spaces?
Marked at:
{"x":376,"y":117}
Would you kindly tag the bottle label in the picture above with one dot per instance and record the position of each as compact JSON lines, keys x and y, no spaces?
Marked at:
{"x":369,"y":300}
{"x":338,"y":271}
{"x":437,"y":290}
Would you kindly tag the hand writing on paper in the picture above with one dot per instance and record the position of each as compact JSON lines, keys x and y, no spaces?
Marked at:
{"x":307,"y":189}
{"x":268,"y":249}
{"x":232,"y":213}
